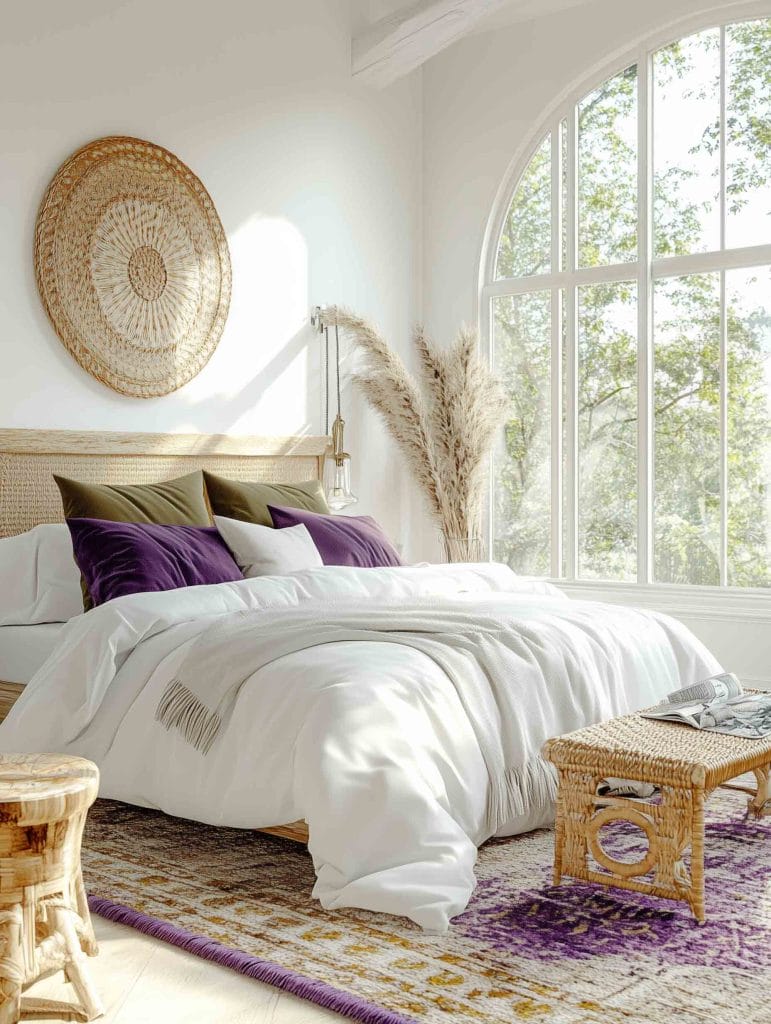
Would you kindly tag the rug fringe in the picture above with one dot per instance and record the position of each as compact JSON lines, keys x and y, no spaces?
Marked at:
{"x":179,"y":708}
{"x":314,"y":991}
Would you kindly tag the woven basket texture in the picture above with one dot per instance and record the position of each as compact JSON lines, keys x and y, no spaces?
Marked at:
{"x":132,"y":265}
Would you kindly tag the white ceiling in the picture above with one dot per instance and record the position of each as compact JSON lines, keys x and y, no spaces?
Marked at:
{"x":526,"y":10}
{"x":366,"y":13}
{"x":393,"y":37}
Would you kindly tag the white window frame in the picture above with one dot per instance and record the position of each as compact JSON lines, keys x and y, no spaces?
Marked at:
{"x":565,"y":281}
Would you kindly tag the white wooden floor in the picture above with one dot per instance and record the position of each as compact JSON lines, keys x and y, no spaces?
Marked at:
{"x":143,"y":981}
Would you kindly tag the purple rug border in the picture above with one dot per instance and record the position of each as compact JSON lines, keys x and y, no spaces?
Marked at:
{"x":252,"y":966}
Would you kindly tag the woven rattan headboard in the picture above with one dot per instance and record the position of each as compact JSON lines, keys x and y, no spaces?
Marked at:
{"x":28,"y":458}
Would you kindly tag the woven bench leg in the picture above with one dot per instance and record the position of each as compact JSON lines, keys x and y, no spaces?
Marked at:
{"x":679,"y":825}
{"x":697,"y":858}
{"x":559,"y":836}
{"x":577,"y":791}
{"x":757,"y":805}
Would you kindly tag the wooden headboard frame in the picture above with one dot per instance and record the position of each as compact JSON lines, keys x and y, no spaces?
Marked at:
{"x":29,"y":458}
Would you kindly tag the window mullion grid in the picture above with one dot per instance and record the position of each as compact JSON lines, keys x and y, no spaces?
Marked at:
{"x":571,"y":351}
{"x":711,"y":262}
{"x":723,"y":329}
{"x":645,"y":418}
{"x":556,"y":354}
{"x":564,"y":280}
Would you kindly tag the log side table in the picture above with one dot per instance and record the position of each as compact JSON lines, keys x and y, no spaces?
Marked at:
{"x":685,"y":765}
{"x":44,"y":919}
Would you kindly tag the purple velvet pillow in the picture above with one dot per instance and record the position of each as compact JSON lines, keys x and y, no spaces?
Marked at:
{"x":133,"y":558}
{"x":341,"y":540}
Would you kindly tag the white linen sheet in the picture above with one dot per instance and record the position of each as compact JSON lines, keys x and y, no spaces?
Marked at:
{"x":24,"y":649}
{"x":39,"y":580}
{"x":367,"y":741}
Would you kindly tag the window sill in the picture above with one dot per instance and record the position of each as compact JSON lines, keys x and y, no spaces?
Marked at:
{"x":722,"y":603}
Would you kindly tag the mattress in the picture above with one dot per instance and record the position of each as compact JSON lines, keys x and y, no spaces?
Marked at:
{"x":23,"y":649}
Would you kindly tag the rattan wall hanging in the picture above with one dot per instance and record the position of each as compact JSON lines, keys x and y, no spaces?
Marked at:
{"x":132,"y":265}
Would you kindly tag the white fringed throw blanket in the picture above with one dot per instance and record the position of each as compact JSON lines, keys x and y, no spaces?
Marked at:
{"x":501,"y":670}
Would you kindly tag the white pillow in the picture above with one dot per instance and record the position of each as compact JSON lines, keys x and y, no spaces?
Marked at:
{"x":263,"y":551}
{"x":39,"y":580}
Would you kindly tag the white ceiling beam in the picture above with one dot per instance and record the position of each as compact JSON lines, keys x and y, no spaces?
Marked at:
{"x":402,"y":42}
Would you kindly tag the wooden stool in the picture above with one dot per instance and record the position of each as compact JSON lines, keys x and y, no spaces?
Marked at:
{"x":44,"y":920}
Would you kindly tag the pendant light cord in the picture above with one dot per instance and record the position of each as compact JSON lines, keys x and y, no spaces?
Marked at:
{"x":326,"y":380}
{"x":337,"y":362}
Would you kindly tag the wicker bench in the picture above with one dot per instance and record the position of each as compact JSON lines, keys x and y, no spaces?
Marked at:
{"x":685,"y":765}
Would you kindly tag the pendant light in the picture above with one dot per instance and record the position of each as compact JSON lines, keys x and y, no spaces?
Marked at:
{"x":337,"y":471}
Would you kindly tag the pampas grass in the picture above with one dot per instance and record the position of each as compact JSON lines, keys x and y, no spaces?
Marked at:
{"x":444,"y":423}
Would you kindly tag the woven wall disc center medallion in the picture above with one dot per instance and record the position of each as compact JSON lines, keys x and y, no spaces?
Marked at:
{"x":147,"y":273}
{"x":132,"y":265}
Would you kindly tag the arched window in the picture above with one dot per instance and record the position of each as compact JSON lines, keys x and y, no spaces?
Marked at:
{"x":629,"y":312}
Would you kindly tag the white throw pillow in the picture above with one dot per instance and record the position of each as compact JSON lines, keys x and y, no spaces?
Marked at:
{"x":39,"y":580}
{"x":263,"y":551}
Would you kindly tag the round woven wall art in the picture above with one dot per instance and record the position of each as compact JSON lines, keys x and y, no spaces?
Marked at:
{"x":132,"y":265}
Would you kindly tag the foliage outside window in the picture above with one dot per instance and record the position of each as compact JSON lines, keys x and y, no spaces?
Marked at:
{"x":630,"y":318}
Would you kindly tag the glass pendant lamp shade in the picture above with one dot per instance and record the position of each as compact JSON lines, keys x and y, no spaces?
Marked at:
{"x":338,"y":484}
{"x":337,"y":471}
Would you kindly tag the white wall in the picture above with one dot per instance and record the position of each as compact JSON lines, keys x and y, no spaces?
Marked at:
{"x":324,"y":188}
{"x":483,"y":99}
{"x":316,"y":179}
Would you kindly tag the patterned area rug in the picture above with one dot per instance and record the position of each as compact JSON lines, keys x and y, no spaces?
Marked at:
{"x":524,"y":950}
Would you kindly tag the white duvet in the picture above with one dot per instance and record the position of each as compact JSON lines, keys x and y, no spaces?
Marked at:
{"x":367,"y":741}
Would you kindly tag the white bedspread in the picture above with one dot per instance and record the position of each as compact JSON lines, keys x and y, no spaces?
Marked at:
{"x":368,"y":741}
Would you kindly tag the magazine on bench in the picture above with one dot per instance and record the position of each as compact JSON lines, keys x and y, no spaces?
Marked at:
{"x":718,"y":704}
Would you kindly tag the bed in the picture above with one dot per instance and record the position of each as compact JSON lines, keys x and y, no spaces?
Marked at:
{"x":400,"y":711}
{"x":28,"y":497}
{"x":23,"y":650}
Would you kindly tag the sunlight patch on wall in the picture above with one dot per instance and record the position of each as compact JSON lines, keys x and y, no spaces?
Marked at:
{"x":259,"y":368}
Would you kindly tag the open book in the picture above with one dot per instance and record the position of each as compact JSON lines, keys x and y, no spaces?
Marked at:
{"x":718,"y":704}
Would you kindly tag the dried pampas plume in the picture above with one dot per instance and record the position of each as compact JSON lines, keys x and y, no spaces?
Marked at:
{"x":444,"y":424}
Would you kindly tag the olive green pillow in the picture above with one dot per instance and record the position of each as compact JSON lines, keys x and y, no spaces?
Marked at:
{"x":180,"y":502}
{"x":248,"y":501}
